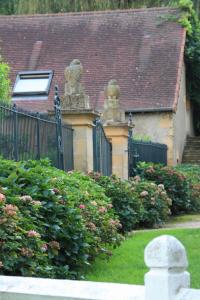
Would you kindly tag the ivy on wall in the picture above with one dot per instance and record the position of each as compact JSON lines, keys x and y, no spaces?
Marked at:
{"x":191,"y":22}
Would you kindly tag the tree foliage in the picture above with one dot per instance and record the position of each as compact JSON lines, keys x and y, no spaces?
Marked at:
{"x":4,"y":82}
{"x":191,"y":22}
{"x":55,"y":6}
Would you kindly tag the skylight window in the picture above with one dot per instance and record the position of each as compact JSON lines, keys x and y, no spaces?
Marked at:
{"x":32,"y":83}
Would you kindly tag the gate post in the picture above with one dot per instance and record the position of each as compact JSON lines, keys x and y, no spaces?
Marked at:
{"x":82,"y":122}
{"x":116,"y":129}
{"x":166,"y":257}
{"x":117,"y":133}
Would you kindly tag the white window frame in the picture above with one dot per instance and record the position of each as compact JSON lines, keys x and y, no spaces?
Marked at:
{"x":48,"y":74}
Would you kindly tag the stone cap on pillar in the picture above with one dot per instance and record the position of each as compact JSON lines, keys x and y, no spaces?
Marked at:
{"x":117,"y":128}
{"x":79,"y":116}
{"x":166,"y":252}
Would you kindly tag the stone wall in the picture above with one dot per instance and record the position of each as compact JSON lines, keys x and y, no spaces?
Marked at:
{"x":167,"y":279}
{"x":182,"y":121}
{"x":158,"y":126}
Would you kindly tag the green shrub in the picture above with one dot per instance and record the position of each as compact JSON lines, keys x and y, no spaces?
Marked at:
{"x":52,"y":223}
{"x":4,"y":82}
{"x":175,"y":183}
{"x":192,"y":173}
{"x":125,"y":204}
{"x":137,"y":203}
{"x":140,"y":137}
{"x":155,"y":203}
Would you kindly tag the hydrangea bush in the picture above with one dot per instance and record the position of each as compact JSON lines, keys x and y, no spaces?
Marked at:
{"x":154,"y":202}
{"x":52,"y":223}
{"x":137,"y":202}
{"x":176,"y":184}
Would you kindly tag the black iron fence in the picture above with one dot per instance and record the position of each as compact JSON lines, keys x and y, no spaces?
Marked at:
{"x":25,"y":135}
{"x":147,"y":152}
{"x":102,"y":150}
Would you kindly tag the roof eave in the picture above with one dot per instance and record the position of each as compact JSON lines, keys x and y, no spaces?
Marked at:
{"x":141,"y":110}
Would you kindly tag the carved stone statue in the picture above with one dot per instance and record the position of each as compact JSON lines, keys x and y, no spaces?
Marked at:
{"x":112,"y":111}
{"x":74,"y":96}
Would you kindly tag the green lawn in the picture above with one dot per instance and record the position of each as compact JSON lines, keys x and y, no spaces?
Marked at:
{"x":127,"y":263}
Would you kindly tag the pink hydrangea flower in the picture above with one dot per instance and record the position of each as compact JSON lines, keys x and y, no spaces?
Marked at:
{"x":35,"y":202}
{"x":26,"y":198}
{"x":27,"y":252}
{"x":112,"y":222}
{"x":93,"y":203}
{"x":110,"y":205}
{"x":10,"y":210}
{"x":102,"y":209}
{"x":137,"y":178}
{"x":153,"y":201}
{"x":44,"y":247}
{"x":91,"y":226}
{"x":2,"y":198}
{"x":33,"y":233}
{"x":161,"y":186}
{"x":144,"y":194}
{"x":54,"y":245}
{"x":82,"y":206}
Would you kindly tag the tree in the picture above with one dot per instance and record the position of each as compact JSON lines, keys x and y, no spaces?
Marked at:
{"x":4,"y":82}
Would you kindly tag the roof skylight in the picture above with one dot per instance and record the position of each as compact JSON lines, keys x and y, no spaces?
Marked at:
{"x":32,"y":83}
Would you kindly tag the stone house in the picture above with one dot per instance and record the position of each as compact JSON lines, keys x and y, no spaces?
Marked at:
{"x":141,"y":49}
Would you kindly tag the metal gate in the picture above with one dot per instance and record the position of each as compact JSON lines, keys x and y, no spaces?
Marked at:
{"x":102,"y":150}
{"x":145,"y":151}
{"x":26,"y":135}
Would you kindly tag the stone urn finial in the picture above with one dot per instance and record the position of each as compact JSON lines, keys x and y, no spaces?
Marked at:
{"x":74,"y":96}
{"x":112,"y":111}
{"x":112,"y":91}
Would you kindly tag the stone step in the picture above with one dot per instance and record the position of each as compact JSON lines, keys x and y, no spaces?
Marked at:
{"x":193,"y":144}
{"x":192,"y":162}
{"x":191,"y":157}
{"x":191,"y":154}
{"x":193,"y":138}
{"x":192,"y":149}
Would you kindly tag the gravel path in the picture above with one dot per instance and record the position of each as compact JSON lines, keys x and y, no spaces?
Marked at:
{"x":190,"y":224}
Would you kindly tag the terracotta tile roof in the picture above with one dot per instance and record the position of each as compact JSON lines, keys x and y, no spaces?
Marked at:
{"x":136,"y":47}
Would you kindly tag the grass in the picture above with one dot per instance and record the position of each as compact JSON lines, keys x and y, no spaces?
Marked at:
{"x":127,"y":263}
{"x":184,"y":219}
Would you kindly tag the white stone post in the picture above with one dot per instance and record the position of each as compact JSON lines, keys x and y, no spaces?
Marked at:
{"x":167,"y":260}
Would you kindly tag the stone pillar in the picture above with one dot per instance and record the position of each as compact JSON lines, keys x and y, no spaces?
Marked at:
{"x":116,"y":129}
{"x":76,"y":110}
{"x":167,"y":260}
{"x":82,"y":123}
{"x":117,"y":133}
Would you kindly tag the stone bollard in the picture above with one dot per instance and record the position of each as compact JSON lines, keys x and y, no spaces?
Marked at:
{"x":167,"y":260}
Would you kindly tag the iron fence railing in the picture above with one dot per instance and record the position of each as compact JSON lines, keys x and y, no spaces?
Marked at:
{"x":102,"y":150}
{"x":25,"y":135}
{"x":147,"y":152}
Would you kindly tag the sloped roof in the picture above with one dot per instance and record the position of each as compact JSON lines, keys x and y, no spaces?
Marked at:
{"x":139,"y":48}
